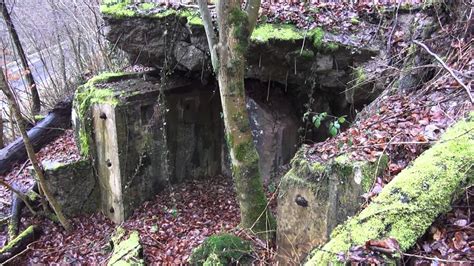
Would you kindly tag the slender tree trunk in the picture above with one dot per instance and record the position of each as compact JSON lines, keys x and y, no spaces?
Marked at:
{"x":36,"y":103}
{"x":2,"y":143}
{"x":12,"y":124}
{"x":234,"y":35}
{"x":31,"y":153}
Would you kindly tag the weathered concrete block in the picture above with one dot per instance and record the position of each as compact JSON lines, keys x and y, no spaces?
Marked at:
{"x":137,"y":145}
{"x":73,"y":185}
{"x":315,"y":198}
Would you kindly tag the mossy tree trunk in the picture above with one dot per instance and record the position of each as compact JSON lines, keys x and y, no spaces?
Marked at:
{"x":235,"y":27}
{"x":410,"y":203}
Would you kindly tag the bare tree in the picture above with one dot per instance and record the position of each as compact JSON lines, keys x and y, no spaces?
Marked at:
{"x":228,"y":60}
{"x":36,"y":103}
{"x":31,"y":153}
{"x":2,"y":143}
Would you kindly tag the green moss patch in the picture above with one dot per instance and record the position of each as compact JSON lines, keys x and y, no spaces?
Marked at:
{"x":127,"y":252}
{"x":87,"y":95}
{"x":307,"y":174}
{"x":116,"y":8}
{"x":222,"y":249}
{"x":120,"y":9}
{"x":407,"y":206}
{"x":28,"y":232}
{"x":246,"y":152}
{"x":317,"y":37}
{"x":266,"y":32}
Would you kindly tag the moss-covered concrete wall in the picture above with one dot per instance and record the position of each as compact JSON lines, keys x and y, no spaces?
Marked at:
{"x":277,"y":52}
{"x":74,"y":186}
{"x":137,"y":146}
{"x":315,"y":197}
{"x":407,"y":206}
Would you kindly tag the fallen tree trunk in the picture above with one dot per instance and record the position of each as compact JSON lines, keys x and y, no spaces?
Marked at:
{"x":409,"y":204}
{"x":41,"y":134}
{"x":16,"y":208}
{"x":19,"y":243}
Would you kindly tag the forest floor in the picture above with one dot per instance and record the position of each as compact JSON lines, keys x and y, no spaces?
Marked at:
{"x":180,"y":217}
{"x":170,"y":226}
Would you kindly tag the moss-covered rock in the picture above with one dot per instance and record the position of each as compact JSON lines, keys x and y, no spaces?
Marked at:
{"x":315,"y":197}
{"x":222,"y":249}
{"x":128,"y":251}
{"x":73,"y":185}
{"x":122,"y":9}
{"x":407,"y":206}
{"x":284,"y":32}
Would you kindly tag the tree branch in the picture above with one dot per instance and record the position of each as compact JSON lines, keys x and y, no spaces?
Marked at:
{"x":252,"y":8}
{"x":450,"y":70}
{"x":210,"y":34}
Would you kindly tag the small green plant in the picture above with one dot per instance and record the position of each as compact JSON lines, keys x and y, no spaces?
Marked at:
{"x":272,"y":187}
{"x":334,"y":126}
{"x":174,"y":212}
{"x":355,"y":21}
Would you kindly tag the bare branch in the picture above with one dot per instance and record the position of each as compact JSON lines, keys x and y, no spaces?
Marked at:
{"x":450,"y":70}
{"x":210,"y":34}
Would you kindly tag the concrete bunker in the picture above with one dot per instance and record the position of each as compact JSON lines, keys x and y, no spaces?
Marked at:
{"x":142,"y":136}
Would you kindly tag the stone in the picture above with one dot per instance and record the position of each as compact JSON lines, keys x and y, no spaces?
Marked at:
{"x":275,"y":133}
{"x":126,"y":251}
{"x":222,"y":249}
{"x":137,"y":146}
{"x":407,"y":206}
{"x":369,"y":80}
{"x":73,"y":185}
{"x":315,"y":198}
{"x":275,"y":54}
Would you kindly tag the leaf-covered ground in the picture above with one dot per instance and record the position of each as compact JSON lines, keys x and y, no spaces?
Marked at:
{"x":170,"y":225}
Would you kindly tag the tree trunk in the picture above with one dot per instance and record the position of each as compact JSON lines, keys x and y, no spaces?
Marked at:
{"x":410,"y":203}
{"x":41,"y":134}
{"x":2,"y":143}
{"x":31,"y":153}
{"x":18,"y":244}
{"x":36,"y":103}
{"x":234,"y":36}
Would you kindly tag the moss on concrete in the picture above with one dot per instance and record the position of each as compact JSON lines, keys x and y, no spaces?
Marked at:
{"x":116,"y":8}
{"x":222,"y":249}
{"x":407,"y":206}
{"x":306,"y":54}
{"x":306,"y":173}
{"x":317,"y":37}
{"x":127,"y":252}
{"x":266,"y":32}
{"x":121,"y":9}
{"x":360,"y":77}
{"x":88,"y":95}
{"x":331,"y":46}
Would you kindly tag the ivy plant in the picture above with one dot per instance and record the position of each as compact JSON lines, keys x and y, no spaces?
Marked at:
{"x":334,"y":122}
